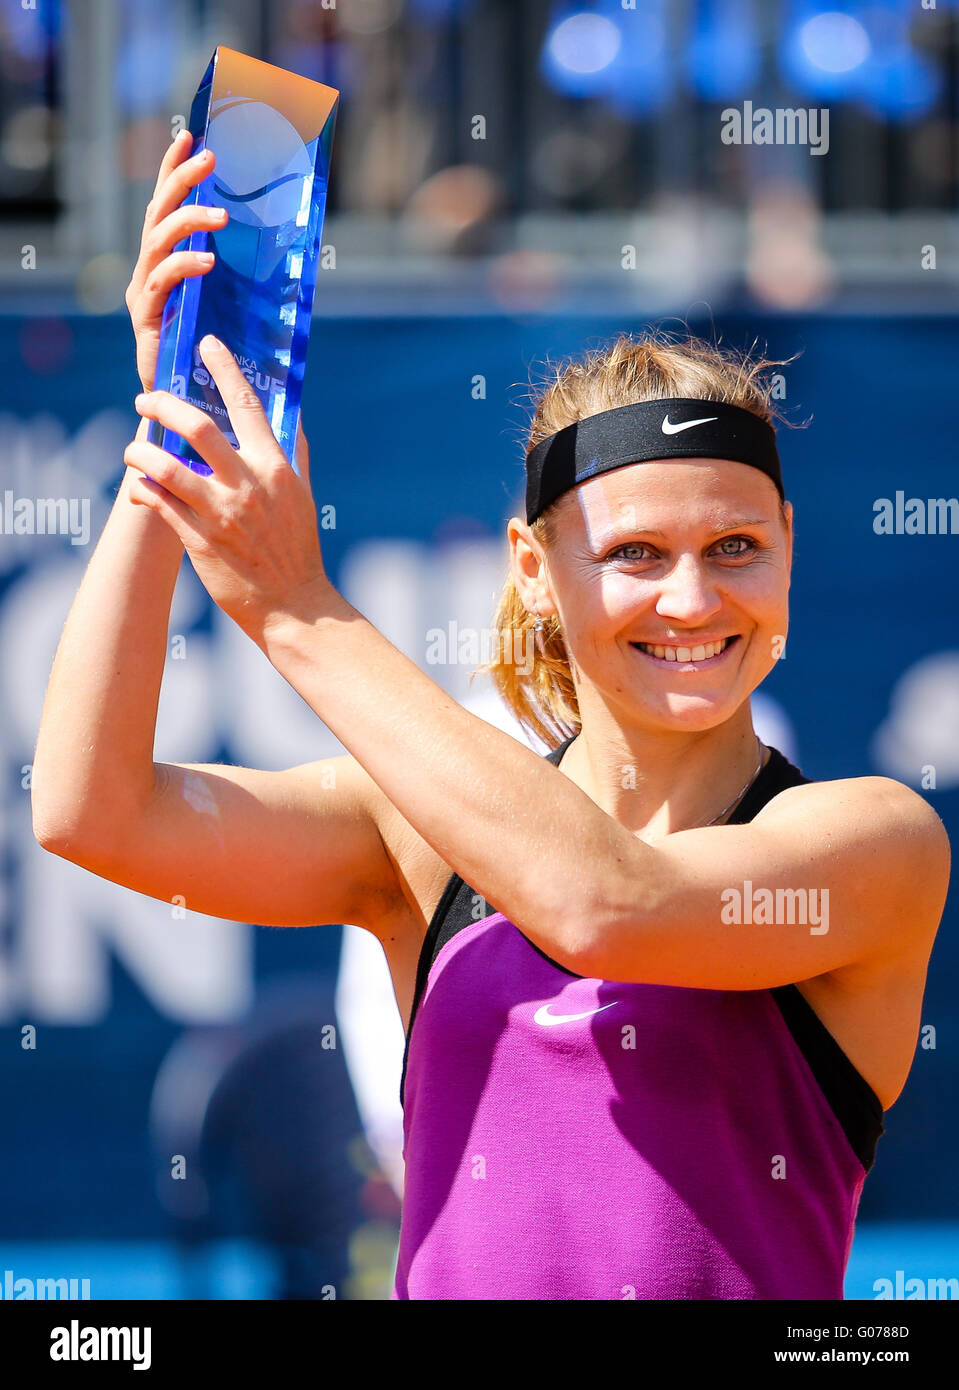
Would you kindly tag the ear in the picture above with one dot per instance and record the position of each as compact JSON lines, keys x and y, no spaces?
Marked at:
{"x":527,"y":565}
{"x":788,"y":514}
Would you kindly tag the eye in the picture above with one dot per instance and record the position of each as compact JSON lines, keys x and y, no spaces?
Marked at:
{"x":630,"y":545}
{"x":747,"y":541}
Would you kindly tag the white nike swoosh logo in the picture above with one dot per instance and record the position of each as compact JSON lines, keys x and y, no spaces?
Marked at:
{"x":687,"y":425}
{"x":543,"y":1015}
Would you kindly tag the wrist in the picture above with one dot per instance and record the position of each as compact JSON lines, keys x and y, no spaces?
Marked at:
{"x":284,"y":626}
{"x":161,"y":537}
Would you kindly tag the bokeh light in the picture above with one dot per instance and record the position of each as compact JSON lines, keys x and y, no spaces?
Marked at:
{"x":580,"y":46}
{"x":834,"y":42}
{"x":102,"y":282}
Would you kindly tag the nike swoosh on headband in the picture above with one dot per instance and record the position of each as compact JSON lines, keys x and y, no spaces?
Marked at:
{"x":543,"y":1015}
{"x":686,"y":425}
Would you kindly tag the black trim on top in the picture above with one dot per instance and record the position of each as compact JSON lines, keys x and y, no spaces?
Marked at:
{"x":850,"y":1096}
{"x":848,"y":1093}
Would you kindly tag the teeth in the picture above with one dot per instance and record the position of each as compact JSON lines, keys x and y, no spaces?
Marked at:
{"x":702,"y":653}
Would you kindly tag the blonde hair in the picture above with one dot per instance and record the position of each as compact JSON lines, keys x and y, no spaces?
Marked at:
{"x":653,"y":366}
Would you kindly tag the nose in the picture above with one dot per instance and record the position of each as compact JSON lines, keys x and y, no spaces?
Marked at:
{"x":687,"y":594}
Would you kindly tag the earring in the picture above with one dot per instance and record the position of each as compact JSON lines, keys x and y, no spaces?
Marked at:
{"x":539,"y":625}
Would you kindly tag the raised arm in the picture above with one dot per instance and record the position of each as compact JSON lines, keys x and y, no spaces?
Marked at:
{"x":287,"y":848}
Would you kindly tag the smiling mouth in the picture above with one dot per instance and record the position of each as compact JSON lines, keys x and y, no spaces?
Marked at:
{"x":707,"y":651}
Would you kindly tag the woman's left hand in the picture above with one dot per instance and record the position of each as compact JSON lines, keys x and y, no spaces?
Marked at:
{"x":250,"y":527}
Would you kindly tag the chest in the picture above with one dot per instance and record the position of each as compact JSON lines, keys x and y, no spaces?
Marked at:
{"x":492,"y":1000}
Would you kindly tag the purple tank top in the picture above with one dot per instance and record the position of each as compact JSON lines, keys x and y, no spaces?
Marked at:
{"x":571,"y":1138}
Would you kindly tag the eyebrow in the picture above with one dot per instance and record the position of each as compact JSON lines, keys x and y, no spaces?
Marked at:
{"x":648,"y":531}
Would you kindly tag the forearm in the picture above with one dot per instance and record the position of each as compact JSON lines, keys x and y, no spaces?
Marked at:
{"x":525,"y":838}
{"x":94,"y":752}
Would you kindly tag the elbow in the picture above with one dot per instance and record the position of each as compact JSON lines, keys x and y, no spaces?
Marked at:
{"x":46,"y":830}
{"x":586,"y":952}
{"x":615,"y":927}
{"x":54,"y":835}
{"x":580,"y":940}
{"x":56,"y":830}
{"x":43,"y":820}
{"x":98,"y":842}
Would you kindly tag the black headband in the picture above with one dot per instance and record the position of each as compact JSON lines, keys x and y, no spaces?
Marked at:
{"x":672,"y":428}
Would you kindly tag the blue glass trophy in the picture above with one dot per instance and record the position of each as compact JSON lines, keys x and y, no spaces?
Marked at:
{"x":272,"y":134}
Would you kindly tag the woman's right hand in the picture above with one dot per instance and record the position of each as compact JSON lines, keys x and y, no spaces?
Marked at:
{"x":159,"y":269}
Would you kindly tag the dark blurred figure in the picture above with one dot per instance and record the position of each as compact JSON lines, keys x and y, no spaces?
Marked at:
{"x":270,"y":1144}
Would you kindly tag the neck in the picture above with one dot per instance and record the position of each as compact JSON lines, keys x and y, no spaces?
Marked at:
{"x":657,"y":782}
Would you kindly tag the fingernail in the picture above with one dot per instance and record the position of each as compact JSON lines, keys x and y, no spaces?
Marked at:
{"x":140,"y":400}
{"x":210,"y":342}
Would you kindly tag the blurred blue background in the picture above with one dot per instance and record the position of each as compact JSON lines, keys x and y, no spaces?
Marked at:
{"x":269,"y":1060}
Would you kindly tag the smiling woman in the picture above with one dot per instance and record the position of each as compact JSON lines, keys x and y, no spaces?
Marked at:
{"x":633,"y":1068}
{"x":605,"y":386}
{"x":755,"y":1061}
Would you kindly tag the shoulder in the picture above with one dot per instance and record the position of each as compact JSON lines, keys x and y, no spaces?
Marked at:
{"x":886,"y":830}
{"x":870,"y":805}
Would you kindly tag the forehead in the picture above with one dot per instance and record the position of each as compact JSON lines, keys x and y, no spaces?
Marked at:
{"x":674,"y":492}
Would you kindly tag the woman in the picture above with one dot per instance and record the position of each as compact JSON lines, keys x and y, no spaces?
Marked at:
{"x":661,"y":1000}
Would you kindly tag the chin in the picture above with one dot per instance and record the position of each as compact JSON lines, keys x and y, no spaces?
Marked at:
{"x":691,"y":714}
{"x":695,"y":716}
